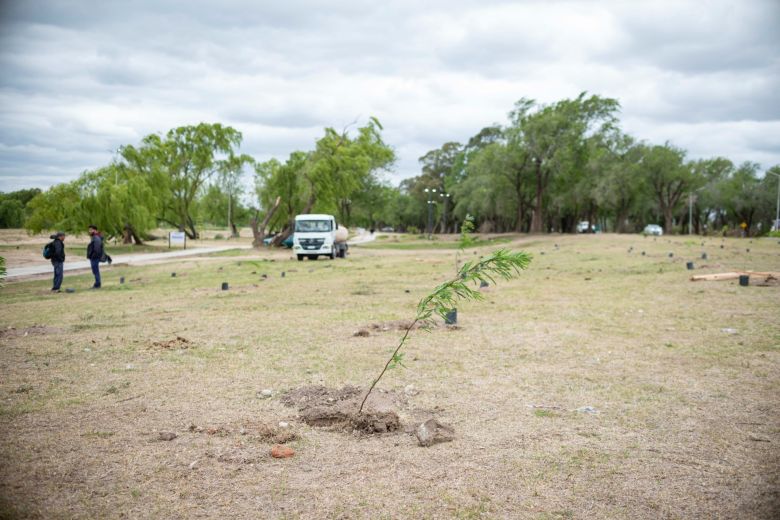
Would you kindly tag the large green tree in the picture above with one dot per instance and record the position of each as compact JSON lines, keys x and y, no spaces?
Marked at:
{"x":554,"y":137}
{"x":184,"y":160}
{"x":670,"y":179}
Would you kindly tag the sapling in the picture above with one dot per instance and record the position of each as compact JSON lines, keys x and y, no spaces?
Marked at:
{"x":502,"y":264}
{"x":2,"y":271}
{"x":466,"y":239}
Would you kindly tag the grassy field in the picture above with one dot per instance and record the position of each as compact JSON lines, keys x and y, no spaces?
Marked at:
{"x":602,"y":383}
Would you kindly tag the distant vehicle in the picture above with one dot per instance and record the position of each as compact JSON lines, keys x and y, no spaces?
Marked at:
{"x":319,"y":235}
{"x":287,"y":242}
{"x":387,"y":229}
{"x":582,"y":227}
{"x":653,"y":229}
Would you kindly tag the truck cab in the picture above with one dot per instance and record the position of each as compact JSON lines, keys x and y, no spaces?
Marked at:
{"x":319,"y":235}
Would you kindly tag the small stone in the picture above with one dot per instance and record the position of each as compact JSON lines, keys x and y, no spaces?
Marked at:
{"x":167,"y":436}
{"x":283,"y":424}
{"x":410,"y":390}
{"x":362,"y":333}
{"x":265,"y":394}
{"x":194,"y":464}
{"x":433,"y":432}
{"x":242,"y":431}
{"x":129,"y":366}
{"x":587,"y":409}
{"x":282,"y":452}
{"x":728,"y":330}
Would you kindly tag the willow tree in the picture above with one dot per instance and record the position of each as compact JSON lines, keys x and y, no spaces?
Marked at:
{"x":185,"y":159}
{"x":326,"y":178}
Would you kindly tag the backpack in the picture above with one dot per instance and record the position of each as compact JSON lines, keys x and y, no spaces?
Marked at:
{"x":48,"y":250}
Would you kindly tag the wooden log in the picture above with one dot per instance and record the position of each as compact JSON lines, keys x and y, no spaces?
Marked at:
{"x":715,"y":277}
{"x":732,"y":276}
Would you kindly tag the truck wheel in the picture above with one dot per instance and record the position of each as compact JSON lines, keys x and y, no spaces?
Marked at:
{"x":300,"y":258}
{"x":313,"y":257}
{"x":332,"y":255}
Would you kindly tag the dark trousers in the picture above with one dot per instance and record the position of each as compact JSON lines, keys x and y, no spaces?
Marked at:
{"x":57,"y":275}
{"x":95,"y":270}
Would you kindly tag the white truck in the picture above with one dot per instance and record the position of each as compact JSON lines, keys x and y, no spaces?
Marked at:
{"x":319,"y":235}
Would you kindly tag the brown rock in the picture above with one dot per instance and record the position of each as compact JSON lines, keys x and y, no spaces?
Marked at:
{"x":362,"y":333}
{"x":167,"y":436}
{"x":282,"y":452}
{"x":433,"y":432}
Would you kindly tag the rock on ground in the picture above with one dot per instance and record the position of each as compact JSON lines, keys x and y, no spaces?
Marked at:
{"x":433,"y":432}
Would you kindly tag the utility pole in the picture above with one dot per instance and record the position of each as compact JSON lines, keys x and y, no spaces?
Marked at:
{"x":777,"y":211}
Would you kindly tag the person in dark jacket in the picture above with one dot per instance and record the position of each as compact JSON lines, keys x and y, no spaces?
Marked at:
{"x":95,"y":253}
{"x":58,"y":259}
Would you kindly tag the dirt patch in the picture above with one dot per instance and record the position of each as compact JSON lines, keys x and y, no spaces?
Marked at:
{"x":399,"y":325}
{"x":35,"y":330}
{"x":324,"y":407}
{"x":179,"y":343}
{"x":261,"y":431}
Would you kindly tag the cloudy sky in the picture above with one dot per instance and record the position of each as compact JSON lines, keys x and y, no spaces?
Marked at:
{"x":79,"y":78}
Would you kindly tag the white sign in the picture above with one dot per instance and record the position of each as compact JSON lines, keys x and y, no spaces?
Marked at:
{"x":177,"y":238}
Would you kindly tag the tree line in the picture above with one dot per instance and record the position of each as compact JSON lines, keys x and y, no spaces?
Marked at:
{"x":549,"y":167}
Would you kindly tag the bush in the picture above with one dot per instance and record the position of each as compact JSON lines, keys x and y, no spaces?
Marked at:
{"x":413,"y":230}
{"x":219,"y":236}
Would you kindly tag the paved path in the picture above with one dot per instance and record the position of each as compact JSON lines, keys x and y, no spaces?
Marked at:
{"x":136,"y":259}
{"x":362,"y":237}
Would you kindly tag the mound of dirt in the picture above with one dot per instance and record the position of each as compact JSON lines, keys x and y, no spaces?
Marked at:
{"x":399,"y":325}
{"x":324,"y":407}
{"x":179,"y":343}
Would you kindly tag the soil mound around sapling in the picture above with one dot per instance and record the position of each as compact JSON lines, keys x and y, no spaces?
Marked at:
{"x":179,"y":343}
{"x":337,"y":408}
{"x":398,"y":325}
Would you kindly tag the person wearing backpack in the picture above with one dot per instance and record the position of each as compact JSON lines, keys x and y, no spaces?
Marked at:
{"x":95,"y":253}
{"x":56,"y":251}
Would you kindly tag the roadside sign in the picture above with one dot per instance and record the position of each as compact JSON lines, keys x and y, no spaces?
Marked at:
{"x":177,"y":238}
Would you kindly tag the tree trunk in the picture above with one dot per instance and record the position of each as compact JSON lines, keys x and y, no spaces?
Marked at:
{"x":622,"y":215}
{"x":258,"y":232}
{"x":288,"y":230}
{"x":668,"y":224}
{"x":537,"y":225}
{"x":136,"y":238}
{"x":127,"y":237}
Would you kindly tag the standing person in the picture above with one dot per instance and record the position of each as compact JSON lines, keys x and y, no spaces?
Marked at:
{"x":57,"y":259}
{"x":95,"y":253}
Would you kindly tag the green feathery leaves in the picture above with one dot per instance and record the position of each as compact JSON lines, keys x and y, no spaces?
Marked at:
{"x":503,"y":265}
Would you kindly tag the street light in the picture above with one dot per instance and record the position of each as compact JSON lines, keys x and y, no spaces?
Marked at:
{"x":777,"y":211}
{"x":430,"y":193}
{"x":445,"y":197}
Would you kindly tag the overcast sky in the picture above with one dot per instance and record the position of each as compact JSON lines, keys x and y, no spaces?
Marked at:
{"x":78,"y":79}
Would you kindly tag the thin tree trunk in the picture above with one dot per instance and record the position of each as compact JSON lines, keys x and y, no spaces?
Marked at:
{"x":537,"y":225}
{"x":258,"y":231}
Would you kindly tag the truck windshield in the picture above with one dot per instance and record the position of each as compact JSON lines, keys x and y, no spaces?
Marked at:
{"x":312,"y":226}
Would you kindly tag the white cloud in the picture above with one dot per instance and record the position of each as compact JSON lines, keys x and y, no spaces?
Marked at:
{"x":78,"y":79}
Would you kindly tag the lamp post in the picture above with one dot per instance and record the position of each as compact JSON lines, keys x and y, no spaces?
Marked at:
{"x":430,"y":193}
{"x":777,"y":211}
{"x":445,"y":197}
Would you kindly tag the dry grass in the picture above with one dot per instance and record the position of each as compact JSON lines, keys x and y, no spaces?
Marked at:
{"x":687,"y":418}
